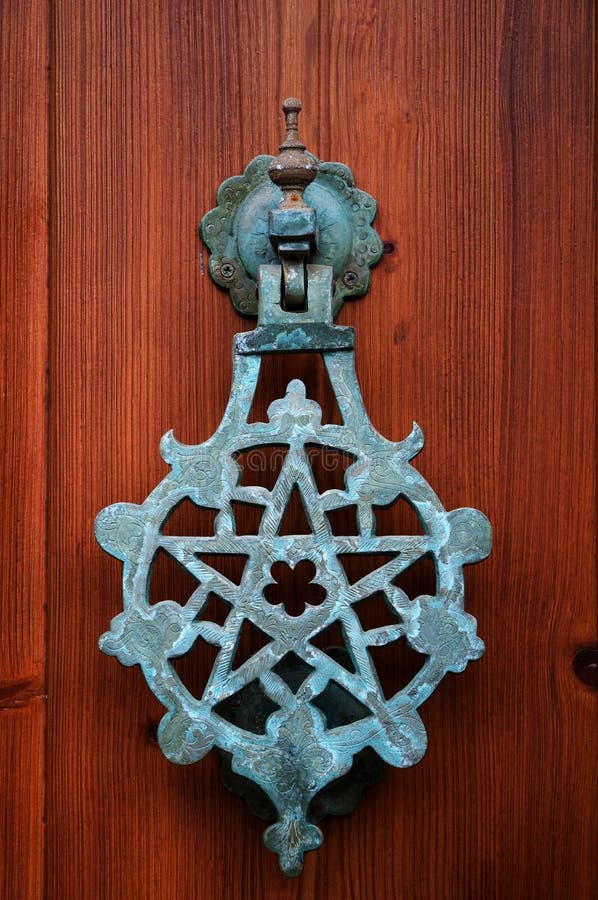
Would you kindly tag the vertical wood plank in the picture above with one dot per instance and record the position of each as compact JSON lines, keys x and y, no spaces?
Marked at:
{"x":23,"y":334}
{"x":427,"y":331}
{"x":155,"y":104}
{"x":24,"y":56}
{"x":22,"y":730}
{"x":483,"y":331}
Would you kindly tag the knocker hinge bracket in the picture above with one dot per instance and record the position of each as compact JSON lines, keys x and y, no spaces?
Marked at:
{"x":304,"y":330}
{"x":293,"y":236}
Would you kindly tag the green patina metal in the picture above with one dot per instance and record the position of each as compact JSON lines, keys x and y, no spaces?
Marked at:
{"x":309,"y":727}
{"x":238,"y":233}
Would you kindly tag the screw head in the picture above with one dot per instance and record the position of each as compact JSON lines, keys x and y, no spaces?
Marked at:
{"x":227,"y":270}
{"x":350,"y":279}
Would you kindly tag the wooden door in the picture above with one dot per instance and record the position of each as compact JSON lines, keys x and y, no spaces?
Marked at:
{"x":471,"y":123}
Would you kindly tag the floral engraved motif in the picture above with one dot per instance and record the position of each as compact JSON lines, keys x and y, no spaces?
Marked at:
{"x":447,"y":633}
{"x":148,"y":636}
{"x":298,"y":762}
{"x":301,"y":747}
{"x":120,"y":529}
{"x":184,"y":738}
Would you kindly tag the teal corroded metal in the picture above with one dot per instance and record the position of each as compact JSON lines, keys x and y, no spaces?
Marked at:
{"x":237,"y":231}
{"x":290,"y":744}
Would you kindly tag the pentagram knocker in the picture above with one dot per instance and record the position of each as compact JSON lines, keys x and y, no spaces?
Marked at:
{"x":301,"y":727}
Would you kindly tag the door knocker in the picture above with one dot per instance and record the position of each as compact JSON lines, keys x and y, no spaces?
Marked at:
{"x":301,"y":727}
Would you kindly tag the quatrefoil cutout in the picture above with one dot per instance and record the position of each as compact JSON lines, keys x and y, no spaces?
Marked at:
{"x":294,"y":588}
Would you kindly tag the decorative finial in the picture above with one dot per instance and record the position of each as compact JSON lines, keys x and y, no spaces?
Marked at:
{"x":291,"y":108}
{"x":292,"y":170}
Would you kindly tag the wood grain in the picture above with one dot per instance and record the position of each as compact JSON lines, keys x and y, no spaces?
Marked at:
{"x":24,"y":55}
{"x":489,"y":291}
{"x":24,"y":338}
{"x":22,"y":732}
{"x":470,"y":123}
